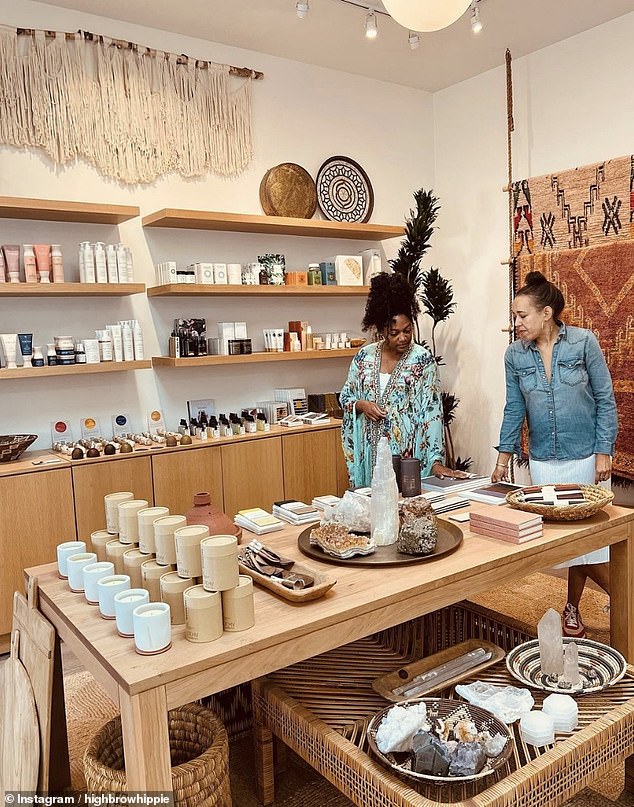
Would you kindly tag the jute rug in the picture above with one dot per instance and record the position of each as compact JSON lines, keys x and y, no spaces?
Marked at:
{"x":598,"y":286}
{"x":88,"y":708}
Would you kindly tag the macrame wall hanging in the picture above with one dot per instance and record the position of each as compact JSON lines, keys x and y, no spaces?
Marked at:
{"x":134,"y":113}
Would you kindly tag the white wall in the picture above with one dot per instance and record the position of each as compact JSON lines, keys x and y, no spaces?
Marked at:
{"x":572,"y":107}
{"x":301,"y":114}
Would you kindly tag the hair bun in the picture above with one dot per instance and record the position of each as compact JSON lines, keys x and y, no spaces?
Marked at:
{"x":535,"y":279}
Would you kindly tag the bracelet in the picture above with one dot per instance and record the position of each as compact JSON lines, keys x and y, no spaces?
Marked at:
{"x":501,"y":465}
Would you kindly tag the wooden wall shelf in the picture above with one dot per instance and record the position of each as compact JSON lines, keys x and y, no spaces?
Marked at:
{"x":70,"y":289}
{"x":75,"y":369}
{"x":200,"y":361}
{"x":269,"y":225}
{"x":210,"y":290}
{"x":15,"y":207}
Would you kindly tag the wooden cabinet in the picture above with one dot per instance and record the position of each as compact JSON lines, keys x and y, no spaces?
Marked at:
{"x":178,"y":475}
{"x":252,"y":474}
{"x":92,"y":481}
{"x":310,"y":464}
{"x":36,"y":514}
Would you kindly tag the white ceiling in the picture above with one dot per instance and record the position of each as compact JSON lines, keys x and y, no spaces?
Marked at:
{"x":332,"y":33}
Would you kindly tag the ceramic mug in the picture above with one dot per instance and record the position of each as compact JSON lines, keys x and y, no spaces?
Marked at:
{"x":107,"y":587}
{"x":92,"y":573}
{"x":152,"y":628}
{"x":124,"y":604}
{"x":75,"y":567}
{"x":64,"y":551}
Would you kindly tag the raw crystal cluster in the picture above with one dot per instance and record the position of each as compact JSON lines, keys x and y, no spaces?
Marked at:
{"x":453,"y":746}
{"x":418,"y":530}
{"x":558,"y":666}
{"x":506,"y":702}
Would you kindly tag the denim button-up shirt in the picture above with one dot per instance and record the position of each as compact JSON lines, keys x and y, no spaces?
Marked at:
{"x":569,"y":417}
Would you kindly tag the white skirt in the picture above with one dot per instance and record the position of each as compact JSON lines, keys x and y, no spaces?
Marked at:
{"x":553,"y":472}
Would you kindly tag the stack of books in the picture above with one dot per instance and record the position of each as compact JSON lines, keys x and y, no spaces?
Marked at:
{"x":449,"y":485}
{"x":322,"y":502}
{"x":296,"y":513}
{"x":495,"y":493}
{"x":514,"y":526}
{"x":315,"y":418}
{"x":258,"y":521}
{"x":448,"y":503}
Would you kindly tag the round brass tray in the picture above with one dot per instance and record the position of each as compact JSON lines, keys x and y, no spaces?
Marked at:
{"x":449,"y":539}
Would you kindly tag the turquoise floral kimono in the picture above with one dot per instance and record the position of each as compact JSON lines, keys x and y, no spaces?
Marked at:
{"x":414,"y":412}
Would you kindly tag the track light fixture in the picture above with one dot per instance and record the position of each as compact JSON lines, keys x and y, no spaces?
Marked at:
{"x":413,"y":39}
{"x":476,"y":22}
{"x":371,"y":25}
{"x":302,"y":8}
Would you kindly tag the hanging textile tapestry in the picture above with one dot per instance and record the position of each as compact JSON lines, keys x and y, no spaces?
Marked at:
{"x":582,"y":207}
{"x":134,"y":113}
{"x":598,"y":286}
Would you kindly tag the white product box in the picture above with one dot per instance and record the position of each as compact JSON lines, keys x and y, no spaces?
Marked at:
{"x":227,"y":330}
{"x":240,"y":330}
{"x":220,"y":273}
{"x":371,"y":264}
{"x":348,"y":270}
{"x":234,"y":274}
{"x":204,"y":272}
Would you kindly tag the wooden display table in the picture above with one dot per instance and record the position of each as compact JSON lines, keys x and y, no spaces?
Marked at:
{"x":363,"y":602}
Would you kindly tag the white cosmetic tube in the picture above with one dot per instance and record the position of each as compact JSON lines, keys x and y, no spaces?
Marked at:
{"x":117,"y":341}
{"x":9,"y":345}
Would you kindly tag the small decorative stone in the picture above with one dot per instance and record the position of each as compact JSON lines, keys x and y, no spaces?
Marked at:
{"x":571,"y":665}
{"x":468,"y":759}
{"x":431,"y":755}
{"x":418,"y":532}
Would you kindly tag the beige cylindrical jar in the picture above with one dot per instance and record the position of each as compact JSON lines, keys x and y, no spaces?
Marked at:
{"x":203,"y":614}
{"x":164,"y":544}
{"x":151,"y":573}
{"x":128,"y":521}
{"x":188,"y":555}
{"x":220,"y":562}
{"x":111,"y":502}
{"x":238,"y":612}
{"x":132,"y":562}
{"x":98,"y":540}
{"x":114,"y":553}
{"x":172,"y":589}
{"x":146,"y":519}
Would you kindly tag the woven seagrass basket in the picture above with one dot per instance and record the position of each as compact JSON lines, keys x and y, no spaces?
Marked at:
{"x":12,"y":446}
{"x":199,"y":751}
{"x":595,"y":497}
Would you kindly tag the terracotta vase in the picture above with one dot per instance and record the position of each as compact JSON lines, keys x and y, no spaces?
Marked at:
{"x":204,"y":512}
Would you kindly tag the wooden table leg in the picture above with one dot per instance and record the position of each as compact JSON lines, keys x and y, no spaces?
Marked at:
{"x":146,"y":740}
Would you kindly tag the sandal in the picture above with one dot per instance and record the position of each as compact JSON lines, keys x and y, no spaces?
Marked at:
{"x":269,"y":556}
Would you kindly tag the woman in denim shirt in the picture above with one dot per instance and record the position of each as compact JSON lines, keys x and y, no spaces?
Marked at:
{"x":556,"y":377}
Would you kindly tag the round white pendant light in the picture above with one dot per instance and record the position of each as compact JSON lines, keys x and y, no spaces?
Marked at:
{"x":426,"y":15}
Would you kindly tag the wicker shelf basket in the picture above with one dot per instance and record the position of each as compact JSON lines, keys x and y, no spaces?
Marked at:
{"x":12,"y":446}
{"x":595,"y":497}
{"x":199,"y":750}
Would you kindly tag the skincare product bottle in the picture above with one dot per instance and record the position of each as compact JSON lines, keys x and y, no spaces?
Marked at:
{"x":137,"y":335}
{"x":57,"y":263}
{"x":43,"y":262}
{"x":51,"y":355}
{"x":30,"y":272}
{"x":89,"y":263}
{"x":8,"y":342}
{"x":105,"y":345}
{"x":182,"y":426}
{"x":3,"y":268}
{"x":128,"y":341}
{"x":38,"y":357}
{"x":213,"y":427}
{"x":12,"y":259}
{"x":193,"y":427}
{"x":80,"y":353}
{"x":129,"y":265}
{"x":111,"y":264}
{"x":26,"y":348}
{"x":117,"y":341}
{"x":122,"y":264}
{"x":101,"y":271}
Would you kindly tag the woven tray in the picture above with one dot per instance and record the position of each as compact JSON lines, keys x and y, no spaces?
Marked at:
{"x":12,"y":446}
{"x":400,"y":763}
{"x":288,"y":190}
{"x":596,"y":498}
{"x":322,"y":584}
{"x":386,"y":684}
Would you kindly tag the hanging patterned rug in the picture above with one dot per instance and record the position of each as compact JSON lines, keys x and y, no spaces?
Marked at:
{"x":598,"y":286}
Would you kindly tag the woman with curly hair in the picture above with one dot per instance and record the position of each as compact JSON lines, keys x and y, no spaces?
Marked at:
{"x":392,"y":388}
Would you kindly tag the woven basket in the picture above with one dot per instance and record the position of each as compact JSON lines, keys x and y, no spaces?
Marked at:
{"x":595,"y":497}
{"x":199,"y":751}
{"x":12,"y":446}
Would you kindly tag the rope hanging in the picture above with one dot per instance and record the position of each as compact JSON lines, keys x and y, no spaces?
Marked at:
{"x":133,"y":112}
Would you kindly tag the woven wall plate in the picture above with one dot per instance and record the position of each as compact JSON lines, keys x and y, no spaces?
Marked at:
{"x":600,"y":666}
{"x":288,"y":190}
{"x":344,"y":191}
